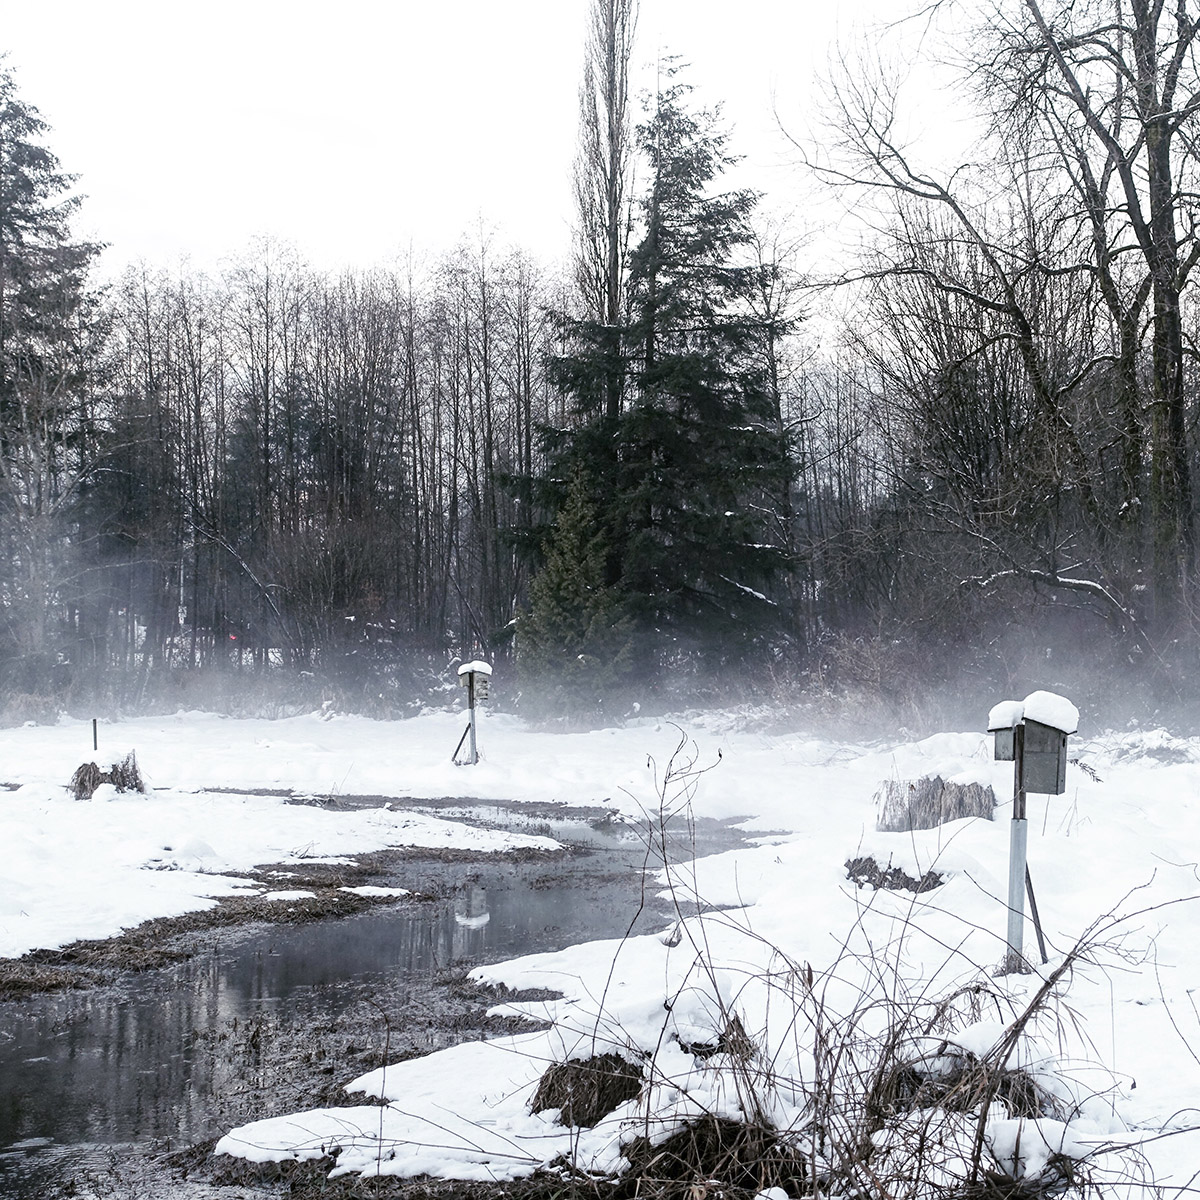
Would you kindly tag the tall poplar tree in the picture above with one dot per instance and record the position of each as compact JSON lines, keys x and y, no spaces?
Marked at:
{"x":602,"y":179}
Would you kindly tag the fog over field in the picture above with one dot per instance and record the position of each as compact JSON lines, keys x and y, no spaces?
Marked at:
{"x":726,"y":412}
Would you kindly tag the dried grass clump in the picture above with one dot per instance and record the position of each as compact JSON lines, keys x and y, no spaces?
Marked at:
{"x":87,"y":778}
{"x":866,"y":870}
{"x":925,"y":803}
{"x":22,"y":977}
{"x":587,"y":1090}
{"x":1059,"y":1177}
{"x":733,"y":1040}
{"x":968,"y":1086}
{"x":712,"y":1156}
{"x":123,"y":775}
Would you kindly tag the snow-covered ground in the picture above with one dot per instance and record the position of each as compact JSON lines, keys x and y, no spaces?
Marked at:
{"x":1120,"y":850}
{"x":93,"y":868}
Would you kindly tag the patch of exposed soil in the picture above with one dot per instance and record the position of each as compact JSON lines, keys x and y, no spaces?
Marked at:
{"x":310,"y":1181}
{"x":536,"y":810}
{"x":290,"y":1060}
{"x":163,"y":940}
{"x":864,"y":871}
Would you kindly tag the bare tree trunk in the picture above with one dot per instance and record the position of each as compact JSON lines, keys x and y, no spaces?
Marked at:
{"x":602,"y":169}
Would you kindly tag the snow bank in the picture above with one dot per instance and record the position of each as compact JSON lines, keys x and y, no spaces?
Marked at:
{"x":794,"y":926}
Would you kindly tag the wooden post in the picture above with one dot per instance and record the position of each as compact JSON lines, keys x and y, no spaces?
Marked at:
{"x":95,"y":736}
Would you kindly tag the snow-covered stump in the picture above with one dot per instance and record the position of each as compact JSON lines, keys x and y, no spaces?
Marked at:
{"x":903,"y":804}
{"x":124,"y":775}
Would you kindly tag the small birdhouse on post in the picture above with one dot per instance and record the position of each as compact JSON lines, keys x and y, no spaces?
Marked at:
{"x":1002,"y":722}
{"x":475,"y":677}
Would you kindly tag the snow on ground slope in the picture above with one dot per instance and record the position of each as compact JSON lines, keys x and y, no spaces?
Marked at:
{"x":792,"y":926}
{"x":1114,"y":861}
{"x":89,"y":869}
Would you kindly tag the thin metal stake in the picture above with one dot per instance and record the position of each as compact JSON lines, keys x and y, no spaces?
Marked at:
{"x":95,"y":736}
{"x":1033,"y":912}
{"x":454,"y":756}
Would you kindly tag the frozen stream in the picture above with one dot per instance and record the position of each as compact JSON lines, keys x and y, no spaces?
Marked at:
{"x":167,"y":1058}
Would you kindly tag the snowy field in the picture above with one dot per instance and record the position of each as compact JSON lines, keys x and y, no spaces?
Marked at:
{"x":794,"y":938}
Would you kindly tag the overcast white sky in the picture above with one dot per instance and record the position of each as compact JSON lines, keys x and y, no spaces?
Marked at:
{"x":356,"y":129}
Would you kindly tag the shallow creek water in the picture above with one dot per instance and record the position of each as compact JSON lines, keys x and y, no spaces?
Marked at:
{"x":167,"y":1058}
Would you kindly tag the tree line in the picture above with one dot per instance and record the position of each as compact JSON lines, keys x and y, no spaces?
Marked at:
{"x":276,"y":468}
{"x":632,"y":475}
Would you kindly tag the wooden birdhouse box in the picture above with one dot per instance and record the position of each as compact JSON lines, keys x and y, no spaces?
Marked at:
{"x":475,"y":677}
{"x":1045,"y":759}
{"x":1049,"y":720}
{"x":1002,"y":723}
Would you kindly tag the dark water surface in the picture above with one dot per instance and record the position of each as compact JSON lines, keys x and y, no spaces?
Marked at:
{"x":170,"y":1057}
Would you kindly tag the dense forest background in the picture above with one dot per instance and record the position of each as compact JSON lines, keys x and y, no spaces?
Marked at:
{"x":637,"y":477}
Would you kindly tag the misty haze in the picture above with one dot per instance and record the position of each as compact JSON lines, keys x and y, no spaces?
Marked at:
{"x":701,"y":707}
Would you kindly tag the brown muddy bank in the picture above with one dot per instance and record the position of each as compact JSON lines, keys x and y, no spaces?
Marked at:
{"x":165,"y":940}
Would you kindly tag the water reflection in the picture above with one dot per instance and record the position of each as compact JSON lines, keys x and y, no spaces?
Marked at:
{"x":471,"y":909}
{"x":121,"y":1064}
{"x":152,"y":1060}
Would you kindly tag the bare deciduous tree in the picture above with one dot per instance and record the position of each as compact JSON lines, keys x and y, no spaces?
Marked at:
{"x":602,"y":170}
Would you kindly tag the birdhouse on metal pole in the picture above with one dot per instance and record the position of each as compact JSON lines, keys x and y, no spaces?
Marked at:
{"x":1032,"y":734}
{"x":475,"y":677}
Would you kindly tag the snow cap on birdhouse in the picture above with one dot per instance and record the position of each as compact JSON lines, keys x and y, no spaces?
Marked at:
{"x":476,"y":668}
{"x":474,"y":676}
{"x":1047,"y":708}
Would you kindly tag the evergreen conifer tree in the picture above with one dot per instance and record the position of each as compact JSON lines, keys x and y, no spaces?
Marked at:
{"x":49,"y":341}
{"x":573,"y":644}
{"x":43,"y":270}
{"x":691,"y":468}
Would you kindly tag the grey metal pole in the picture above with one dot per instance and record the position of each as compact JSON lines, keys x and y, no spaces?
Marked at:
{"x":1018,"y":838}
{"x":471,"y":717}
